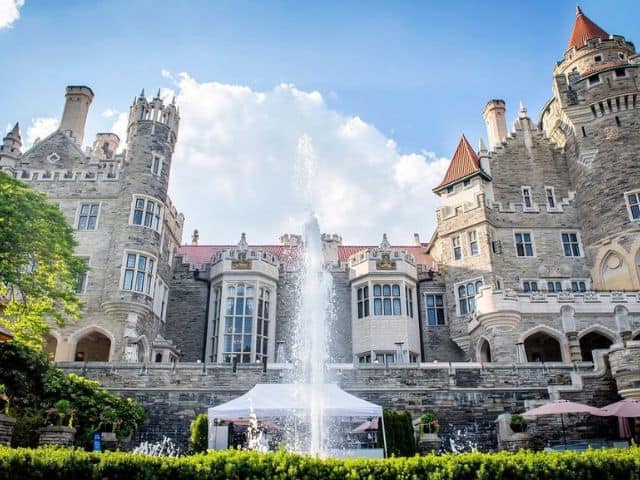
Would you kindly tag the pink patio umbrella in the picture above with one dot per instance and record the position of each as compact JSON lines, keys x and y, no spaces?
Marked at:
{"x":624,"y":409}
{"x":562,"y":407}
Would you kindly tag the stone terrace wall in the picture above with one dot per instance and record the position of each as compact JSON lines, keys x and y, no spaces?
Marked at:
{"x":466,"y":397}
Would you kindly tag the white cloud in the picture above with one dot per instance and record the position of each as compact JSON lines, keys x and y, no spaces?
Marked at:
{"x":119,"y":126}
{"x":9,"y":12}
{"x":237,"y":167}
{"x":40,"y":128}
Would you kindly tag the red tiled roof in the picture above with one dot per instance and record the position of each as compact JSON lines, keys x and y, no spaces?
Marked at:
{"x":464,"y":163}
{"x":584,"y":29}
{"x":200,"y":254}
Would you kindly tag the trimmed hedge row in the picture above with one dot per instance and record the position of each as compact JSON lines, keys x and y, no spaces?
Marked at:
{"x":65,"y":464}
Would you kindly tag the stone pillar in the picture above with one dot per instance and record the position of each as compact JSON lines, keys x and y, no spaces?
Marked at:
{"x":6,"y":429}
{"x":624,"y":360}
{"x":57,"y":435}
{"x":575,"y":353}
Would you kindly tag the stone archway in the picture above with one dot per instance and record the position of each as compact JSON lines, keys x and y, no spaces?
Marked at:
{"x":93,"y":346}
{"x":50,"y":345}
{"x":591,"y":341}
{"x":542,"y":347}
{"x":484,"y":351}
{"x":615,"y":273}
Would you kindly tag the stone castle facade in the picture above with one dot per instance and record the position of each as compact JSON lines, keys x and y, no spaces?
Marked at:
{"x":535,"y":260}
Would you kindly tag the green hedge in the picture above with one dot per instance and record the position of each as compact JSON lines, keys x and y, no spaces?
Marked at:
{"x":64,"y":464}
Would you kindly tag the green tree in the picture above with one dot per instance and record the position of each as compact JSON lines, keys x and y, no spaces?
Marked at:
{"x":38,"y":271}
{"x":200,"y":433}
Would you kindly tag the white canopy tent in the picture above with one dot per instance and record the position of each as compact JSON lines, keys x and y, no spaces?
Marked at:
{"x":279,"y":400}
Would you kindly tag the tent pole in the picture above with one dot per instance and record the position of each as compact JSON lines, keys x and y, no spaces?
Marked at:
{"x":384,"y":436}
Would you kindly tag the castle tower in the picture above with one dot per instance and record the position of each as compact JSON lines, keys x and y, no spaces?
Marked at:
{"x":10,"y":150}
{"x":594,"y":115}
{"x":495,"y":121}
{"x":76,"y":107}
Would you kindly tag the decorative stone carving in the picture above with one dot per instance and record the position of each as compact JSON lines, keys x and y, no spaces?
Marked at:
{"x":241,"y":263}
{"x":386,"y":263}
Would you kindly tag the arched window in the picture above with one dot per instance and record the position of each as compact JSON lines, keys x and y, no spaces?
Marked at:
{"x":484,"y":351}
{"x":542,"y":347}
{"x":93,"y":347}
{"x":238,"y":323}
{"x":593,"y":341}
{"x":466,"y":294}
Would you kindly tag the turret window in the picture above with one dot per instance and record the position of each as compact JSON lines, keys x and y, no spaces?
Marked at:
{"x":594,"y":80}
{"x":363,"y":301}
{"x":408,"y":295}
{"x":238,"y":323}
{"x":146,"y":213}
{"x":156,"y":165}
{"x":138,"y":273}
{"x":386,"y":299}
{"x":633,"y":205}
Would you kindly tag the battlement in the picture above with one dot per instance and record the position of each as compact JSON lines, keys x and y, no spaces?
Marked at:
{"x":143,"y":110}
{"x":106,"y":173}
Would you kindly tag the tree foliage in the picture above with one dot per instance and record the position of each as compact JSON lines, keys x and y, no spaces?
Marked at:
{"x":38,"y":271}
{"x":399,"y":432}
{"x":199,"y":440}
{"x":36,"y":388}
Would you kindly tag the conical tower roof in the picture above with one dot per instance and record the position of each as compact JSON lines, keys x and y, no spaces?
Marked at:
{"x":464,"y":163}
{"x":584,"y":29}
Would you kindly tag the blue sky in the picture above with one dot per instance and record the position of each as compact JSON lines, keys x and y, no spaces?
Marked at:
{"x":419,"y":72}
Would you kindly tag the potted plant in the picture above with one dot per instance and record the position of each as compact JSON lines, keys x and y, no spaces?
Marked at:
{"x":429,"y":424}
{"x":518,"y":423}
{"x":6,"y":421}
{"x":428,"y":428}
{"x":109,"y":423}
{"x":60,"y":430}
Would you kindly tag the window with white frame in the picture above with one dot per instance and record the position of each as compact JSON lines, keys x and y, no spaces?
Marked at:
{"x":362,"y":296}
{"x":262,"y":334}
{"x":457,"y":248}
{"x":571,"y":244}
{"x":146,"y":213}
{"x":156,"y":165}
{"x":524,"y":244}
{"x":81,"y":280}
{"x":386,"y":299}
{"x":579,"y":285}
{"x":550,"y":194}
{"x":473,"y":243}
{"x":408,"y":294}
{"x":466,"y":296}
{"x":526,"y":197}
{"x":436,"y":314}
{"x":215,"y":323}
{"x":554,"y":286}
{"x":138,"y":273}
{"x":88,"y":216}
{"x":238,"y":323}
{"x":386,"y":358}
{"x":529,"y":285}
{"x":633,"y":205}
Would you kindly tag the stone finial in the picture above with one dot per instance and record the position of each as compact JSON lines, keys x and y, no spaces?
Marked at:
{"x":142,"y":94}
{"x":243,"y":246}
{"x":195,"y":237}
{"x":481,"y":146}
{"x":522,"y":112}
{"x":385,"y":246}
{"x":157,"y":94}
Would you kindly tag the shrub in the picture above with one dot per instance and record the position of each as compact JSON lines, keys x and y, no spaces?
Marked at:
{"x":518,"y":423}
{"x":199,"y":440}
{"x":36,"y":388}
{"x":64,"y":464}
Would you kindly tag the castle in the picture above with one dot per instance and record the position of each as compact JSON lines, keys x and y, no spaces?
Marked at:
{"x":535,"y":259}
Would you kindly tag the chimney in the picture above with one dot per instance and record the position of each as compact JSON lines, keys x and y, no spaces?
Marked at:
{"x":194,"y":237}
{"x":494,"y":118}
{"x":76,"y":108}
{"x":105,"y":145}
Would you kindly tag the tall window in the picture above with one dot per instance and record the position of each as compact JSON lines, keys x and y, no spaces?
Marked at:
{"x":467,"y":296}
{"x":551,"y":197}
{"x":215,"y":324}
{"x":457,"y":248}
{"x":138,"y":273}
{"x":363,"y":302}
{"x":633,"y":203}
{"x":156,"y":165}
{"x":530,"y":285}
{"x":570,"y":244}
{"x":578,"y":286}
{"x":473,"y":243}
{"x":524,"y":244}
{"x":408,"y":295}
{"x":435,"y":309}
{"x":386,"y":299}
{"x":526,"y":197}
{"x":147,"y":213}
{"x":81,"y":280}
{"x":238,"y":323}
{"x":262,"y":334}
{"x":88,"y":216}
